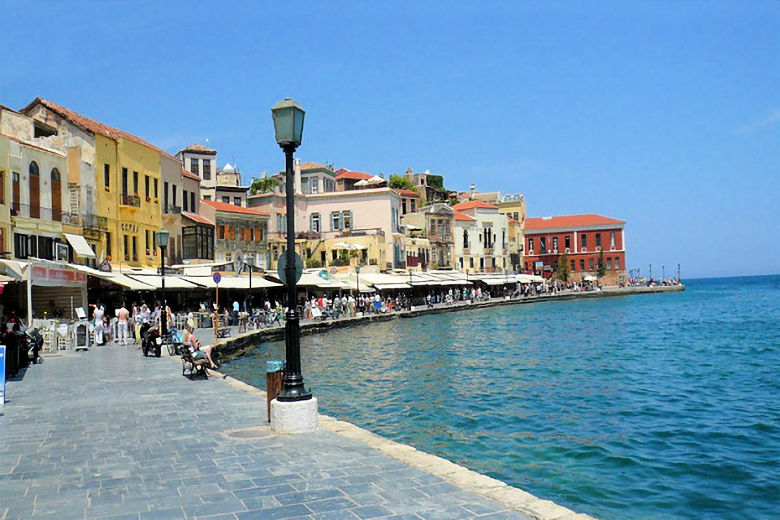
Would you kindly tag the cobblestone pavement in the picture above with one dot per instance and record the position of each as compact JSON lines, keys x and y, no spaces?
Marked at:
{"x":110,"y":434}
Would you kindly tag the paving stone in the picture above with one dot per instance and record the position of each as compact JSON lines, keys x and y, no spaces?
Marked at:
{"x":130,"y":438}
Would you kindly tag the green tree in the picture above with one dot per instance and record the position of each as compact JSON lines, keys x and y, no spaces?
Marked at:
{"x":398,"y":182}
{"x":563,"y":268}
{"x":601,"y":270}
{"x":264,"y":185}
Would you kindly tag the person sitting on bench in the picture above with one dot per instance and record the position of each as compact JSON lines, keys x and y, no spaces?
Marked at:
{"x":198,"y":351}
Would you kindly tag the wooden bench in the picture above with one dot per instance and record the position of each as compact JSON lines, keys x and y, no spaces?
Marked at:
{"x":193,"y":366}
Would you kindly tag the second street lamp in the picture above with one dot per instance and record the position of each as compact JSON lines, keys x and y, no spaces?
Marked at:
{"x":288,"y":127}
{"x":162,"y":240}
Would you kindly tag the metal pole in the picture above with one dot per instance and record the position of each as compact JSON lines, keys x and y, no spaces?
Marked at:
{"x":163,"y":316}
{"x":663,"y":272}
{"x":678,"y":273}
{"x":250,"y":289}
{"x":292,"y":385}
{"x":651,"y":271}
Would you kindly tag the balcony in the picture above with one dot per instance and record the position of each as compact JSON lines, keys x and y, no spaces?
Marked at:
{"x":171,"y":209}
{"x":132,"y":201}
{"x":92,"y":221}
{"x":71,"y":219}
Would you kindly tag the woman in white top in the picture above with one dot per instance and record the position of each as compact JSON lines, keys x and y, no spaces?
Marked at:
{"x":198,"y":352}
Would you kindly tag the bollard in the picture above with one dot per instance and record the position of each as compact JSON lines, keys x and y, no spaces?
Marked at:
{"x":274,"y":369}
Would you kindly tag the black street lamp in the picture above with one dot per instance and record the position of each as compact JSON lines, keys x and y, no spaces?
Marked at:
{"x":162,"y":239}
{"x":288,"y":127}
{"x":357,"y":279}
{"x":250,"y":261}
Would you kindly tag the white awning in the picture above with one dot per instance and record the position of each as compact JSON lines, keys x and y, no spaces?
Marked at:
{"x":171,"y":281}
{"x":80,"y":245}
{"x":386,"y":286}
{"x":232,"y":282}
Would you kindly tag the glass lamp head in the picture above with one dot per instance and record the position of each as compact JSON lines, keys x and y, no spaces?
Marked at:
{"x":288,"y":122}
{"x":162,"y":237}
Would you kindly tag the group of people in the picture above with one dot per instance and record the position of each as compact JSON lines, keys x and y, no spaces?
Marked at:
{"x":126,"y":323}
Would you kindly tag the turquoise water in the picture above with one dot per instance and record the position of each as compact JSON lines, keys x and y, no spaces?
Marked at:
{"x":650,"y":407}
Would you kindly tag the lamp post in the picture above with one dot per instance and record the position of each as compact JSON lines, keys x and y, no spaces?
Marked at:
{"x":651,"y":271}
{"x":357,"y":279}
{"x":288,"y":127}
{"x":162,"y":240}
{"x":678,"y":273}
{"x":663,"y":272}
{"x":250,"y":261}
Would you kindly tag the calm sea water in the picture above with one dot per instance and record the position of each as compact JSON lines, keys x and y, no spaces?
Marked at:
{"x":649,"y":407}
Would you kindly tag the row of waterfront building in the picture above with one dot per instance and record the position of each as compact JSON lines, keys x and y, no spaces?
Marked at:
{"x":75,"y":190}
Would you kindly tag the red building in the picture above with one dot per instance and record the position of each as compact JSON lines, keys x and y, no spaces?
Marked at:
{"x":581,"y":237}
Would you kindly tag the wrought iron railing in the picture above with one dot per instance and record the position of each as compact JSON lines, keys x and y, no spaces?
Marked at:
{"x":131,"y":200}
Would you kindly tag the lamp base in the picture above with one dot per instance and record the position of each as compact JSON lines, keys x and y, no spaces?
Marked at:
{"x":294,"y":416}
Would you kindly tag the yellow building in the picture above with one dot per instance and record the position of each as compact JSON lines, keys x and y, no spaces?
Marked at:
{"x":118,"y":190}
{"x":5,"y":190}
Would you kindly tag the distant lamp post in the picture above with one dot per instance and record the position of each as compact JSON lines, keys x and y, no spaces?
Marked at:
{"x":162,"y":240}
{"x":663,"y":272}
{"x":288,"y":127}
{"x":250,"y":262}
{"x":357,"y":279}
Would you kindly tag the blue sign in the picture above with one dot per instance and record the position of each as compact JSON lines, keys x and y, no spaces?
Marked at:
{"x":217,"y":278}
{"x":2,"y":375}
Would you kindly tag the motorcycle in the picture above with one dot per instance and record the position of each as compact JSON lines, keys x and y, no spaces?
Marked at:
{"x":34,"y":344}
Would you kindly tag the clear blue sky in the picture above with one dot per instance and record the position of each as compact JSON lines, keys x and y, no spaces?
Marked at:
{"x":665,"y":114}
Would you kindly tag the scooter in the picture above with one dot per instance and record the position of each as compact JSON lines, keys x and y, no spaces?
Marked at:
{"x":34,"y":342}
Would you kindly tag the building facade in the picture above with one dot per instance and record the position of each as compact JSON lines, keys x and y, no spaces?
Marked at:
{"x":437,"y":223}
{"x":201,"y":161}
{"x":582,"y":238}
{"x":241,"y":232}
{"x":482,"y":244}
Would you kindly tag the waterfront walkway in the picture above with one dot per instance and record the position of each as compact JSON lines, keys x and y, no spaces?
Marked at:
{"x":108,"y":433}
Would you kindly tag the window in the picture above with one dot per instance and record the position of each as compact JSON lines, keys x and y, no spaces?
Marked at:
{"x":125,"y":240}
{"x":612,"y":240}
{"x":185,"y":201}
{"x":173,"y":194}
{"x":195,"y":166}
{"x":165,"y":197}
{"x":108,"y":243}
{"x":192,"y":202}
{"x":226,"y":200}
{"x":465,"y":239}
{"x":147,"y":188}
{"x":573,"y":266}
{"x":15,"y":194}
{"x":206,"y":169}
{"x":135,"y":250}
{"x":221,"y":232}
{"x":146,"y":233}
{"x":590,"y":264}
{"x":346,"y":220}
{"x":135,"y":183}
{"x":555,"y":244}
{"x":156,"y":190}
{"x":107,"y":176}
{"x":329,"y":184}
{"x":617,"y":263}
{"x":251,"y":234}
{"x":609,"y":263}
{"x":515,"y":216}
{"x":124,"y":182}
{"x":413,"y":204}
{"x":471,"y":262}
{"x":598,"y":240}
{"x":2,"y":192}
{"x":584,"y":242}
{"x":543,"y":244}
{"x":259,"y":234}
{"x":582,"y":265}
{"x":20,"y":246}
{"x":314,"y":222}
{"x":531,"y":245}
{"x":567,"y":241}
{"x":35,"y":191}
{"x":403,"y":206}
{"x":207,"y":197}
{"x":237,"y":201}
{"x":335,"y":221}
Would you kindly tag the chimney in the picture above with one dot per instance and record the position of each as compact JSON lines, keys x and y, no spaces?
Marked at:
{"x":297,"y":170}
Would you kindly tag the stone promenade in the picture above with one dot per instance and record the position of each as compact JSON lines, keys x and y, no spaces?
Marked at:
{"x":110,"y":434}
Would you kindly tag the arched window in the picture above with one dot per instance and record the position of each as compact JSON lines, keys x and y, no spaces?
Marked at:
{"x":35,"y":191}
{"x":55,"y":174}
{"x":465,"y":239}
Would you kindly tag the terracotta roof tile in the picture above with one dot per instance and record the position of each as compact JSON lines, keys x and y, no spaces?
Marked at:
{"x":463,"y":216}
{"x":230,"y":208}
{"x":198,"y":148}
{"x":197,"y":218}
{"x":346,"y":174}
{"x":313,"y":166}
{"x":473,"y":204}
{"x":189,"y":174}
{"x":407,"y":193}
{"x":96,"y":127}
{"x":570,"y":221}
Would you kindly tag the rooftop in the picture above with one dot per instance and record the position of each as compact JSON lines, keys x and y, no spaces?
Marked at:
{"x":199,"y":148}
{"x":570,"y":221}
{"x":189,"y":174}
{"x":463,"y":216}
{"x":407,"y":193}
{"x":473,"y":204}
{"x":93,"y":126}
{"x":197,"y":218}
{"x":346,"y":174}
{"x":230,"y":208}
